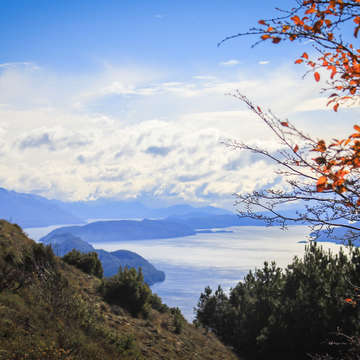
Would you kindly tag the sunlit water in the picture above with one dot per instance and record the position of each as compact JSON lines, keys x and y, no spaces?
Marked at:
{"x":191,"y":263}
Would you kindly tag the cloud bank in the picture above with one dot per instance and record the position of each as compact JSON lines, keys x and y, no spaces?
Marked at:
{"x":124,"y":132}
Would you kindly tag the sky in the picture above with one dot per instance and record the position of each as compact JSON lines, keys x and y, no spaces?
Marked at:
{"x":128,"y":99}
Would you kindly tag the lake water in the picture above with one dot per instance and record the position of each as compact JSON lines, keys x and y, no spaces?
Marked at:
{"x":193,"y":262}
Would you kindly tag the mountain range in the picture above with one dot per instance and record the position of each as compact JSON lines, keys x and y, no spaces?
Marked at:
{"x":29,"y":210}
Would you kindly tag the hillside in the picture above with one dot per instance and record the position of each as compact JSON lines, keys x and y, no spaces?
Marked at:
{"x":50,"y":310}
{"x":111,"y":261}
{"x":171,"y":227}
{"x":339,"y":236}
{"x":124,"y":230}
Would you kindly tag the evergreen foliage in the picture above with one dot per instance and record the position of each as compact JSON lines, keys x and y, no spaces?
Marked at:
{"x":178,"y":320}
{"x":288,"y":313}
{"x":88,"y":262}
{"x":128,"y":290}
{"x":156,"y":303}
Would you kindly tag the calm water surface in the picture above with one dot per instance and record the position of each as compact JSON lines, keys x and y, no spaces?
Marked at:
{"x":191,"y":263}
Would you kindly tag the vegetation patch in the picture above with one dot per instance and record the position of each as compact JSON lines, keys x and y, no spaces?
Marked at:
{"x":87,"y":262}
{"x":288,"y":313}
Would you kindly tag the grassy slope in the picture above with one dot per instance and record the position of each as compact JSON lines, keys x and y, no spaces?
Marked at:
{"x":50,"y":310}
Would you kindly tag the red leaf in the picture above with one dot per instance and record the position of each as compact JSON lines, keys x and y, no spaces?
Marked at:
{"x":305,"y":56}
{"x":317,"y":76}
{"x":276,"y":40}
{"x":336,"y":106}
{"x":284,"y":123}
{"x":296,"y":148}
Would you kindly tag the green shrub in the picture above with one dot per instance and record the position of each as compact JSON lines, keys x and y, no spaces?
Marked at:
{"x":288,"y":313}
{"x":156,"y":303}
{"x":86,"y":262}
{"x":178,"y":320}
{"x":127,"y":289}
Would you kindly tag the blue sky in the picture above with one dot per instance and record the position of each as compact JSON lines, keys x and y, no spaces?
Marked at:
{"x":127,"y":99}
{"x":80,"y":35}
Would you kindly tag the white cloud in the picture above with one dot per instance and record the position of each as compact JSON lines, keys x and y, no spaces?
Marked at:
{"x":231,"y":62}
{"x":317,"y":103}
{"x":17,"y":64}
{"x":264,"y":62}
{"x":127,"y":131}
{"x":204,"y":77}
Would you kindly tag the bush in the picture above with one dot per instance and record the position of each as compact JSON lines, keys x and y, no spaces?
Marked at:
{"x":127,"y":289}
{"x":288,"y":313}
{"x":156,"y":303}
{"x":88,"y":262}
{"x":178,"y":320}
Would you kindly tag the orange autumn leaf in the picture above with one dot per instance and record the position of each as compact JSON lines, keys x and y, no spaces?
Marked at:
{"x":297,"y":20}
{"x":328,"y":22}
{"x":356,"y":31}
{"x":357,"y":127}
{"x":312,"y":10}
{"x":321,"y":146}
{"x":296,"y":148}
{"x":322,"y":180}
{"x":321,"y":183}
{"x":336,"y":106}
{"x":317,"y":76}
